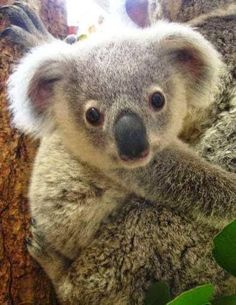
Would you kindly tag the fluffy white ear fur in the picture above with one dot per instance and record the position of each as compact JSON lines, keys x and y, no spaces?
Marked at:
{"x":25,"y":116}
{"x":196,"y":58}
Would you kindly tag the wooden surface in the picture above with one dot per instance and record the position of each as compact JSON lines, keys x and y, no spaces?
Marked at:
{"x":22,"y":282}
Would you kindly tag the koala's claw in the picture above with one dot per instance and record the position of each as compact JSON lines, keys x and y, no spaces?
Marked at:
{"x":28,"y":241}
{"x":18,"y":17}
{"x":35,"y":245}
{"x":33,"y":222}
{"x":33,"y":17}
{"x":26,"y":27}
{"x":5,"y":32}
{"x":17,"y":35}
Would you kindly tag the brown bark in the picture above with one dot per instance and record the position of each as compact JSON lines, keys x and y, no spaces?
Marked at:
{"x":22,"y":282}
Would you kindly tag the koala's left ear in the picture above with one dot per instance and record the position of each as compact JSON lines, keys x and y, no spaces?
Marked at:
{"x":31,"y":88}
{"x":194,"y":59}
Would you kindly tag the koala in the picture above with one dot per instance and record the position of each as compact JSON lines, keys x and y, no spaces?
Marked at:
{"x":118,"y":199}
{"x":211,"y":135}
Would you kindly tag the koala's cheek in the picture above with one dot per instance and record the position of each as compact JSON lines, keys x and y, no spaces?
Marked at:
{"x":158,"y":141}
{"x":154,"y":140}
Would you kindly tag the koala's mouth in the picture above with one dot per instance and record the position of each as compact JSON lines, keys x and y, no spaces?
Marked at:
{"x":144,"y":155}
{"x":140,"y":161}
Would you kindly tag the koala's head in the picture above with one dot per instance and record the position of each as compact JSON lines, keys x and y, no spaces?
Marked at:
{"x":115,"y":100}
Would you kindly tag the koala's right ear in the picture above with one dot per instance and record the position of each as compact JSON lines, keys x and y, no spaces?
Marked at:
{"x":31,"y":88}
{"x":193,"y":58}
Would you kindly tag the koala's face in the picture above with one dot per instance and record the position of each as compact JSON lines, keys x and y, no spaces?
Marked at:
{"x":118,"y":101}
{"x":121,"y":109}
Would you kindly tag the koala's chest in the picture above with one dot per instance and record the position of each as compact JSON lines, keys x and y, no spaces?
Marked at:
{"x":69,"y":201}
{"x":70,"y":216}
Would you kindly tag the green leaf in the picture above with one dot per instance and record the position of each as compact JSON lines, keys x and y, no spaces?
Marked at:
{"x":157,"y":294}
{"x":224,"y":250}
{"x":200,"y":295}
{"x":82,"y":37}
{"x":230,"y":300}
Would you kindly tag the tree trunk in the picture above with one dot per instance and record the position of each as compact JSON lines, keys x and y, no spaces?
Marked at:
{"x":22,"y":282}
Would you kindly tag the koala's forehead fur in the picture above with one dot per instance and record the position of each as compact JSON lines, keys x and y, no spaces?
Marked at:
{"x":107,"y":73}
{"x":109,"y":70}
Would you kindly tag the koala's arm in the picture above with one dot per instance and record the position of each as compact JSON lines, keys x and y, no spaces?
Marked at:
{"x":184,"y":181}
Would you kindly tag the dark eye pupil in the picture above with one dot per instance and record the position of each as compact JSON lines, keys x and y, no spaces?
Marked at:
{"x":157,"y":100}
{"x":93,"y":116}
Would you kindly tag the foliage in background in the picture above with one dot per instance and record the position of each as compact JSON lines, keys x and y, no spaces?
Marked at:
{"x":224,"y":250}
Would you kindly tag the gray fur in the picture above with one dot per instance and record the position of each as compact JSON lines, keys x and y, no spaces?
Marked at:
{"x":184,"y":10}
{"x":96,"y":237}
{"x":216,"y":20}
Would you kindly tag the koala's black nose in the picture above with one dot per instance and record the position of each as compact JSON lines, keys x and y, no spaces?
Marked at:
{"x":131,"y":136}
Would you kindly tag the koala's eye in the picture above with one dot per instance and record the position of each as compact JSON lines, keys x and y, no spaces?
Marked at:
{"x":94,"y":116}
{"x":157,"y":100}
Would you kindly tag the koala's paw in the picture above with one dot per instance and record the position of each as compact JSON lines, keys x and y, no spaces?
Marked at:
{"x":54,"y":264}
{"x":36,"y":244}
{"x":26,"y":27}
